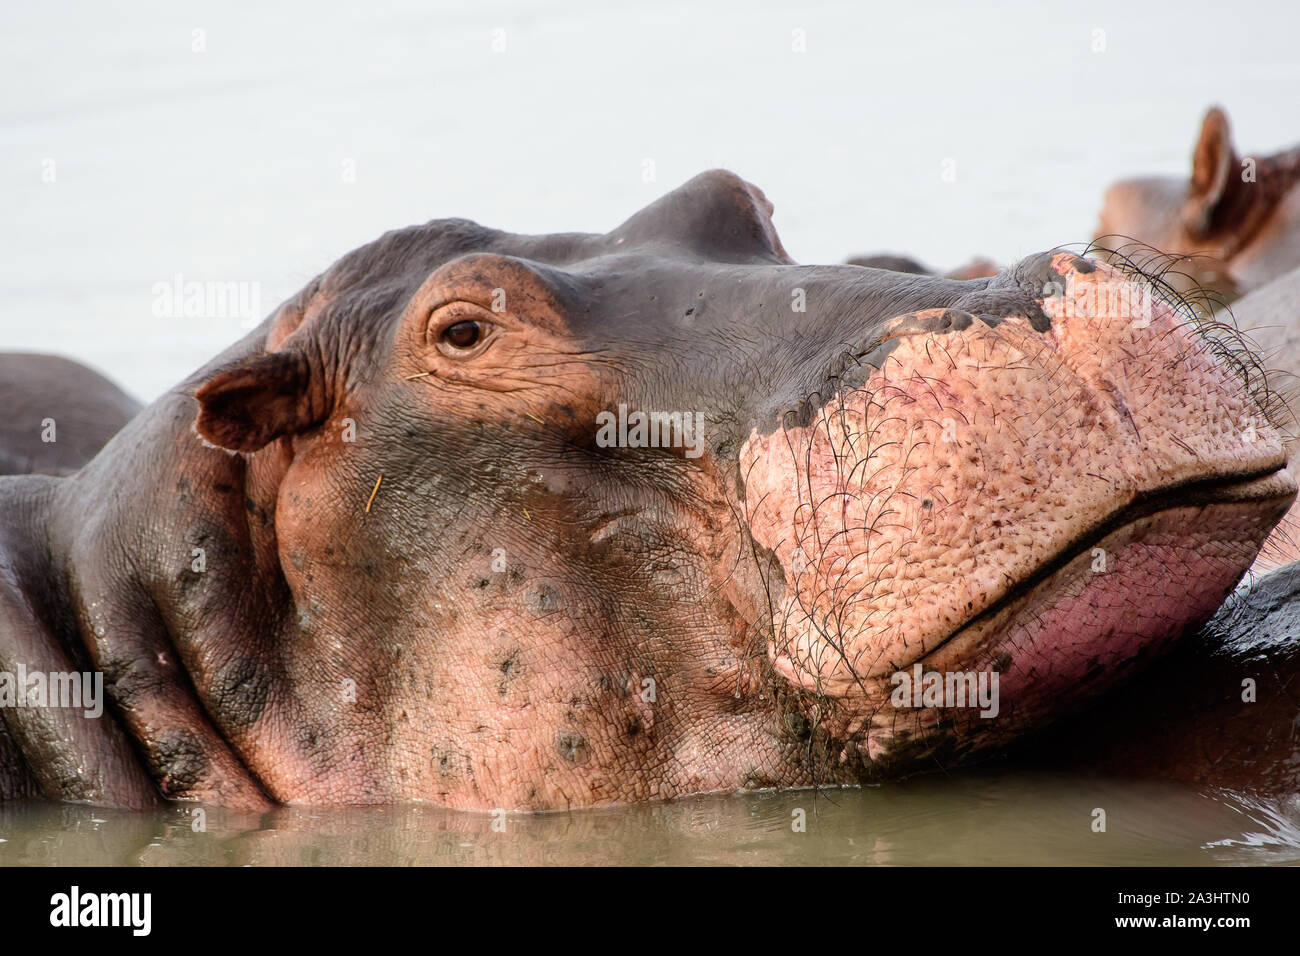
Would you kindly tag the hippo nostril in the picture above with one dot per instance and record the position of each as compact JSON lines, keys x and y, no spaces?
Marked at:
{"x":930,"y":321}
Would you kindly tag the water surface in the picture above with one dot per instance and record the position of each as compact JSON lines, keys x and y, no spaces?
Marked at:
{"x":989,"y":818}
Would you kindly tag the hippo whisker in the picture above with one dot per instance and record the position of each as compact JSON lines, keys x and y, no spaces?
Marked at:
{"x":1204,"y":310}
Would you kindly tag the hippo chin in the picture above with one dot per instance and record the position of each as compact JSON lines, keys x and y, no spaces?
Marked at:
{"x":1218,"y":711}
{"x":493,"y":520}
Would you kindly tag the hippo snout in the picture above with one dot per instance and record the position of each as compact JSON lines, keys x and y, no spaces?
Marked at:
{"x":1050,"y":491}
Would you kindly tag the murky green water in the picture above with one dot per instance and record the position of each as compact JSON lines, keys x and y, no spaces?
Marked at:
{"x":989,"y":818}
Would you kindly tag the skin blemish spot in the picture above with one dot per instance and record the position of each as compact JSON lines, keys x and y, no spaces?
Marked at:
{"x":571,"y":746}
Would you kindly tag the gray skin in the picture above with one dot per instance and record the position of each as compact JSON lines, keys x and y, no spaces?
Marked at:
{"x":1270,"y":319}
{"x":347,"y":641}
{"x":84,"y":407}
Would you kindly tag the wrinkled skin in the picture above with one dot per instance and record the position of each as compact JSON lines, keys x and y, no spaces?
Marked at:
{"x":86,"y":410}
{"x":426,"y":577}
{"x":1226,"y":234}
{"x":977,"y":268}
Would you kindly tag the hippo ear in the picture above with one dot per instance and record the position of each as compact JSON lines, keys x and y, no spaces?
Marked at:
{"x":716,"y":214}
{"x":1212,"y":164}
{"x":244,"y":407}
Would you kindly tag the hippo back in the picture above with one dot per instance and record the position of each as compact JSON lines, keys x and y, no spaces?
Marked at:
{"x":1270,"y":318}
{"x":58,"y":413}
{"x":1270,"y":314}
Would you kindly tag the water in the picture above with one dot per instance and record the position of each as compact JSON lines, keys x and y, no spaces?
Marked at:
{"x":986,"y":818}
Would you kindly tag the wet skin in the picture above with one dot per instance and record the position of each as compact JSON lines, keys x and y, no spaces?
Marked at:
{"x":58,"y":414}
{"x":380,"y":551}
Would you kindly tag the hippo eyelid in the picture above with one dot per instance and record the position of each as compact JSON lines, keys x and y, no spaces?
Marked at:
{"x":469,"y":305}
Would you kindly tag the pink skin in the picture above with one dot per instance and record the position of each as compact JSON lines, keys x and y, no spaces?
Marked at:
{"x":865,"y":510}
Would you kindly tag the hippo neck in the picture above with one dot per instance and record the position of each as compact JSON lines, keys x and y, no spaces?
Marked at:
{"x":145,"y":542}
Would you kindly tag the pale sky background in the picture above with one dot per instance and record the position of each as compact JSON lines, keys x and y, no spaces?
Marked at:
{"x":228,"y":164}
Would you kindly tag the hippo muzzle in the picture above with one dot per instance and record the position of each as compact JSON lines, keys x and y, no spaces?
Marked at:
{"x":1049,"y":494}
{"x":533,"y":522}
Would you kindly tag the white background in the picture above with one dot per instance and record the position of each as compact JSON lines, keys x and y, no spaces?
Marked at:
{"x":227,"y":164}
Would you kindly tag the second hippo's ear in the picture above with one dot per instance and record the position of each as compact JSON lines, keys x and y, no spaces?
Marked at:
{"x":1212,"y":165}
{"x":246,"y":406}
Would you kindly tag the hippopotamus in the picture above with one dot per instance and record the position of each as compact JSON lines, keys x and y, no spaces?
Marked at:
{"x":1230,"y":228}
{"x":529,"y":522}
{"x":1220,"y":710}
{"x":58,"y":413}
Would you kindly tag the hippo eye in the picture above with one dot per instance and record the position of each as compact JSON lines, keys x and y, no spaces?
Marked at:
{"x":463,"y":335}
{"x":461,"y":330}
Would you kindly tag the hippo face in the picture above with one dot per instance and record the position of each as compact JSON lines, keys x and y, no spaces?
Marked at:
{"x":536,"y":522}
{"x":1232,"y":226}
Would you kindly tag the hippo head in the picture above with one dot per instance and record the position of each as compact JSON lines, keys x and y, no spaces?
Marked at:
{"x":1230,"y":227}
{"x":547,"y":521}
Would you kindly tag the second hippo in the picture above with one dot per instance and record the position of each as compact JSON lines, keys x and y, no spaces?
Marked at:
{"x":57,"y":413}
{"x":1231,"y":227}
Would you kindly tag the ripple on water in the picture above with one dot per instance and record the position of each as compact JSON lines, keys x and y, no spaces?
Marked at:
{"x":991,"y":817}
